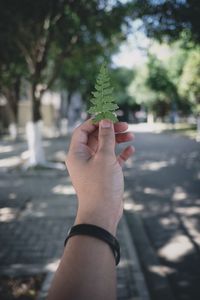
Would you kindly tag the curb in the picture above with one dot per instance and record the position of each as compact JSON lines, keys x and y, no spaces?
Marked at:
{"x":137,"y":275}
{"x":157,"y":282}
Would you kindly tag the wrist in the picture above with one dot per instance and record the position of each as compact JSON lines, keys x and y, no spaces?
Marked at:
{"x":94,"y":219}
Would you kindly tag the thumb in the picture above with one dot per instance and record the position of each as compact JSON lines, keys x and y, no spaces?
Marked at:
{"x":106,"y":136}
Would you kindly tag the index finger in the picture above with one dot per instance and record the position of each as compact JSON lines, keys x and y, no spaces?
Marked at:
{"x":82,"y":132}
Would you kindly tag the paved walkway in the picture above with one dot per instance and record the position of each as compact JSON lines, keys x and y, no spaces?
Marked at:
{"x":163,"y":189}
{"x":37,"y":207}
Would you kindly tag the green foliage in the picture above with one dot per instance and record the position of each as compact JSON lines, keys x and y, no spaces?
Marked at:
{"x":189,"y":86}
{"x":158,"y":79}
{"x":103,"y":101}
{"x":170,"y":81}
{"x":121,"y":79}
{"x":170,"y":18}
{"x":50,"y":35}
{"x":140,"y":92}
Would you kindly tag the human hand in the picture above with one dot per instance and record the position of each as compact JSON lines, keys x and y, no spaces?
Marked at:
{"x":96,"y":172}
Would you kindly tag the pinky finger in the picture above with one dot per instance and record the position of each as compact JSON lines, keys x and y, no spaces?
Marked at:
{"x":125,"y":154}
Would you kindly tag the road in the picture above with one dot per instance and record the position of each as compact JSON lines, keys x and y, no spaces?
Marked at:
{"x":163,"y":188}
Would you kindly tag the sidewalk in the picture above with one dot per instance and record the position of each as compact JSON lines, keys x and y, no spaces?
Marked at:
{"x":37,"y":207}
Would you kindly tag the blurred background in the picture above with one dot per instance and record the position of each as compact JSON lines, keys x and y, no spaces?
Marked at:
{"x":50,"y":54}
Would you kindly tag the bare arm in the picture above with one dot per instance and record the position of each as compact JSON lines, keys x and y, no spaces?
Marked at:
{"x":87,"y":269}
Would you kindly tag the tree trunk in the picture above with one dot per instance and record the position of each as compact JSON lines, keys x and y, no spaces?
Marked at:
{"x":34,"y":138}
{"x":12,"y":127}
{"x":12,"y":95}
{"x":36,"y":104}
{"x":34,"y":131}
{"x":64,"y":109}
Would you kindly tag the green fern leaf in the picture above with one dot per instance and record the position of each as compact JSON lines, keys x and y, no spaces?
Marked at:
{"x":111,"y":116}
{"x":98,"y":118}
{"x":109,"y":106}
{"x":92,"y":110}
{"x":103,"y":102}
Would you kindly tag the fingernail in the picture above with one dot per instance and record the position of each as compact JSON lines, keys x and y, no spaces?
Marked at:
{"x":106,"y":124}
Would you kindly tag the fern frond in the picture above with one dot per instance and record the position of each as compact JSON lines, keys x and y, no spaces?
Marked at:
{"x":103,"y":102}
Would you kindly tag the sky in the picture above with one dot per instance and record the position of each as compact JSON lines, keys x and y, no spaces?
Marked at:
{"x":133,"y":52}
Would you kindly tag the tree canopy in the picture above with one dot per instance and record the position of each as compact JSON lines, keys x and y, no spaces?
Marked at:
{"x":46,"y":33}
{"x":170,"y":18}
{"x":172,"y":82}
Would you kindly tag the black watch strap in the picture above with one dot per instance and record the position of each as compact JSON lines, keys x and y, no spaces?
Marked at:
{"x":97,"y":232}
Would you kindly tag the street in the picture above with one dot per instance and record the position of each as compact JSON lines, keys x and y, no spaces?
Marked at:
{"x":163,"y":188}
{"x":162,"y":205}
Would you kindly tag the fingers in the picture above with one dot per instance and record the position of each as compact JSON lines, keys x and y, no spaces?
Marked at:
{"x":125,"y":154}
{"x":119,"y":129}
{"x":124,"y":137}
{"x":106,"y":137}
{"x":81,"y":134}
{"x":120,"y":126}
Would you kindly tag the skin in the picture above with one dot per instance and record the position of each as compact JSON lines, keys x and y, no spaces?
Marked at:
{"x":87,"y":269}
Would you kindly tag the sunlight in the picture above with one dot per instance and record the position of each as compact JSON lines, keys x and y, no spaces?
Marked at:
{"x":161,"y":270}
{"x":152,"y":191}
{"x":60,"y":156}
{"x":6,"y":149}
{"x":179,"y":194}
{"x":148,"y":127}
{"x":130,"y":205}
{"x":7,"y":214}
{"x":10,"y":162}
{"x":176,"y":248}
{"x":154,"y":166}
{"x":124,"y":262}
{"x":168,"y":221}
{"x":188,"y":211}
{"x":64,"y":189}
{"x":25,"y":155}
{"x":52,"y":267}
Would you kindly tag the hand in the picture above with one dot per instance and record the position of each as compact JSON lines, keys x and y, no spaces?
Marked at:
{"x":96,"y":172}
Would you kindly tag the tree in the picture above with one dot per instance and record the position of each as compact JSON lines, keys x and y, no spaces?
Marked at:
{"x":153,"y":88}
{"x":121,"y":79}
{"x":140,"y":92}
{"x":189,"y":86}
{"x":158,"y":79}
{"x":12,"y":69}
{"x":170,"y":18}
{"x":48,"y":32}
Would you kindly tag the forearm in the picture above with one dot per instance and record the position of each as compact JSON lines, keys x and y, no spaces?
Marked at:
{"x":87,"y":271}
